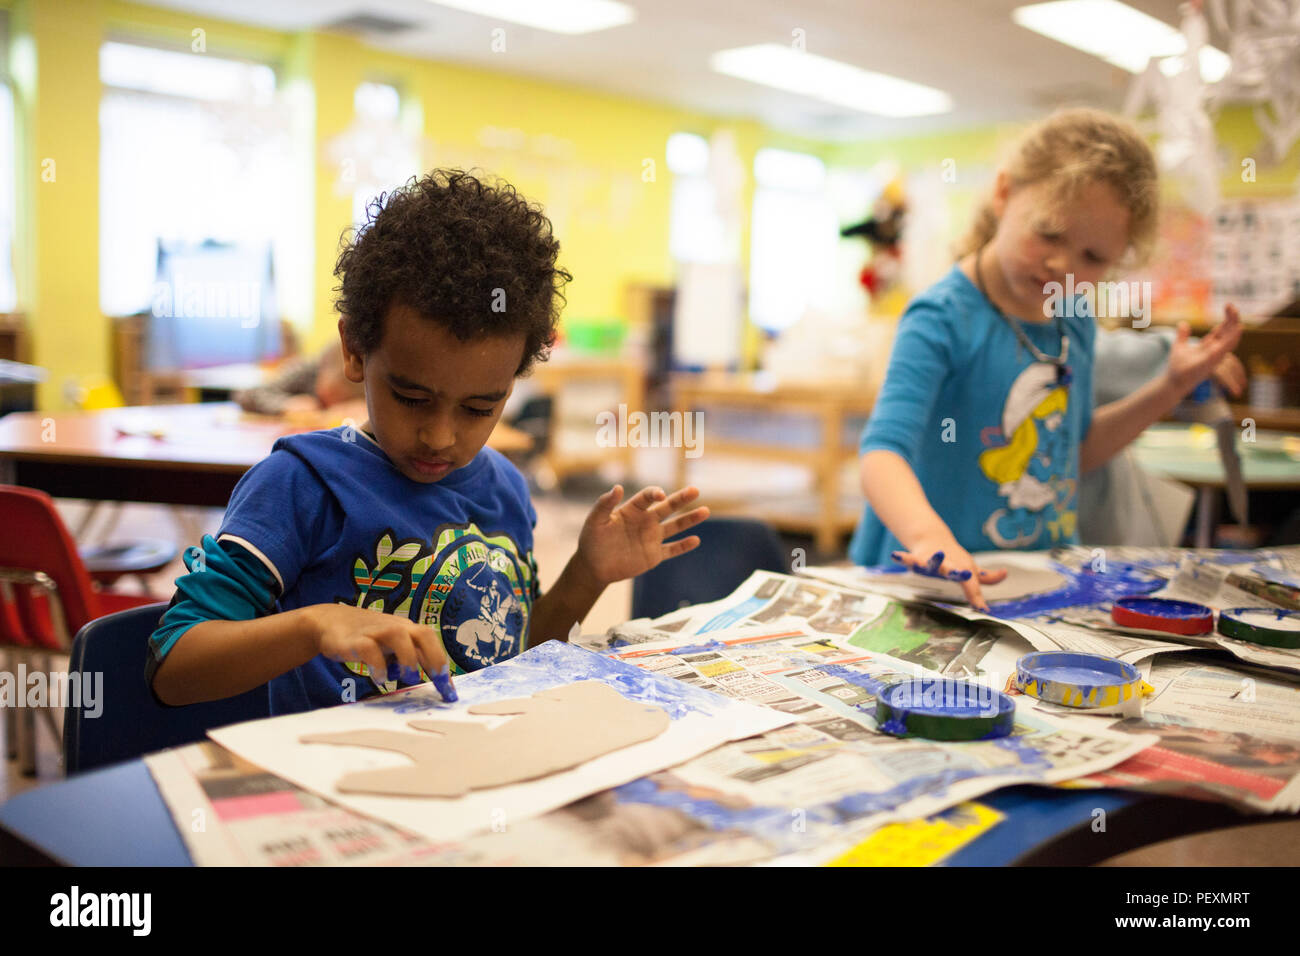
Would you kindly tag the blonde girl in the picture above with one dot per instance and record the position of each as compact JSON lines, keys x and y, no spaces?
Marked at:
{"x":985,"y":420}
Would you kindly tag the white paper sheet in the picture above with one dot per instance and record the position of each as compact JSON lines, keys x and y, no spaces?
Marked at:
{"x":700,"y":721}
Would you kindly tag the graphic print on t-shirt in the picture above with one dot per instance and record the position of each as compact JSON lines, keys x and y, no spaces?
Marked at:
{"x":477,"y":598}
{"x":1028,"y":458}
{"x":473,"y":588}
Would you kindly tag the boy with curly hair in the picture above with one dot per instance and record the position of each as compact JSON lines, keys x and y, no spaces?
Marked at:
{"x":450,"y":291}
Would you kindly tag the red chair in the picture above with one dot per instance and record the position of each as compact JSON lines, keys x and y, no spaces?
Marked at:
{"x":46,"y":596}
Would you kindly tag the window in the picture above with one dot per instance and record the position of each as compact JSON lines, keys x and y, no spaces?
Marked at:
{"x":8,"y":175}
{"x":194,"y":158}
{"x":704,"y":241}
{"x":8,"y":290}
{"x":793,"y":239}
{"x":378,"y":152}
{"x":696,"y":230}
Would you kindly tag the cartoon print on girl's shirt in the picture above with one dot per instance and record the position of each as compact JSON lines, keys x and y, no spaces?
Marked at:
{"x":1028,"y":459}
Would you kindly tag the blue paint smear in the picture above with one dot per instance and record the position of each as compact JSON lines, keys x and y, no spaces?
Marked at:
{"x":1084,"y":586}
{"x":1030,"y":756}
{"x":696,"y":648}
{"x":851,"y":675}
{"x":772,"y":824}
{"x":1236,"y":557}
{"x":1270,"y":615}
{"x":552,"y":664}
{"x":735,"y":615}
{"x":775,"y":825}
{"x":1271,"y":573}
{"x":857,"y":805}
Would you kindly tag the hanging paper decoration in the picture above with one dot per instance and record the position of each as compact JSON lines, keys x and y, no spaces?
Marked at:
{"x":375,"y":153}
{"x":1264,"y":44}
{"x":1186,"y":150}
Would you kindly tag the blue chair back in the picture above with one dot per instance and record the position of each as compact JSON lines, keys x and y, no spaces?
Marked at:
{"x":130,"y":722}
{"x":730,"y":550}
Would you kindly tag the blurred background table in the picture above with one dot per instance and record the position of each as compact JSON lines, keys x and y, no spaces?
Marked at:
{"x":819,"y":428}
{"x":1188,"y":454}
{"x":165,"y":454}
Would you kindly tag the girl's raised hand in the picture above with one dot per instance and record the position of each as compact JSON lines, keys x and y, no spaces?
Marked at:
{"x":1230,"y":375}
{"x":1192,"y":362}
{"x":620,"y":541}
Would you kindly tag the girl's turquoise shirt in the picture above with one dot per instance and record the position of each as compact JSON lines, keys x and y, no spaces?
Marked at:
{"x":991,"y":434}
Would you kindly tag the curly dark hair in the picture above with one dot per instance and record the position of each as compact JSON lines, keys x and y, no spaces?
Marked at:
{"x":474,"y":256}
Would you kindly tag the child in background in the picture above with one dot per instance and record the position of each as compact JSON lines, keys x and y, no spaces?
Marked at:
{"x":985,"y":420}
{"x":304,"y":386}
{"x":449,"y":292}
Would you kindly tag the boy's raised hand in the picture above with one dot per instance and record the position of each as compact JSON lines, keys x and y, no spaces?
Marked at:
{"x":620,"y":541}
{"x":1192,"y":362}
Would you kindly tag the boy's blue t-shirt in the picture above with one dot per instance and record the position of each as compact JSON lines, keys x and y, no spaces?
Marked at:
{"x":992,"y":436}
{"x":330,"y":517}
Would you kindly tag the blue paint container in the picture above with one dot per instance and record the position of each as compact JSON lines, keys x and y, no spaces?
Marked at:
{"x":1078,"y":680}
{"x":940,"y":708}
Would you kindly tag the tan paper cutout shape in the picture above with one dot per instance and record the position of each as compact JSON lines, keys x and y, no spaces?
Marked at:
{"x":556,"y":729}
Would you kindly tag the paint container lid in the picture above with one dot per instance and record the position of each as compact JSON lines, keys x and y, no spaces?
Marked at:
{"x":1162,"y":614}
{"x":1078,"y":680}
{"x":1261,"y":625}
{"x":940,"y":708}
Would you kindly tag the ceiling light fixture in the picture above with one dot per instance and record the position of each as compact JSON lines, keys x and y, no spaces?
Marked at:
{"x":831,"y":81}
{"x":557,"y":16}
{"x":1117,"y":33}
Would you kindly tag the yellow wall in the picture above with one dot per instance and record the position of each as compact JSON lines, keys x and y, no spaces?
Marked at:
{"x":58,"y":179}
{"x":612,"y":218}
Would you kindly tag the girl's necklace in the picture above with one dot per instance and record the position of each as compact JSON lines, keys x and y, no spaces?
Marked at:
{"x":1064,"y":374}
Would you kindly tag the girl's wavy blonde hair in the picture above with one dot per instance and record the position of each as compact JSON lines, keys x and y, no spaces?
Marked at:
{"x":1070,"y":149}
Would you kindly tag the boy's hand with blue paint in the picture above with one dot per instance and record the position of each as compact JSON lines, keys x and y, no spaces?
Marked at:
{"x":352,"y":634}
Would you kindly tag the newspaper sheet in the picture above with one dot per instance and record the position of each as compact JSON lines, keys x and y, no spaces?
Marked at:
{"x":954,"y":640}
{"x":1226,"y":733}
{"x":1277,"y":658}
{"x":1208,"y":584}
{"x":831,"y":777}
{"x":1078,"y":617}
{"x":700,"y":721}
{"x":1254,"y":730}
{"x":231,"y":813}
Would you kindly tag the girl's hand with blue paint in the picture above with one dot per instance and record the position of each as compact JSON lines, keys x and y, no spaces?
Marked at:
{"x":949,"y":560}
